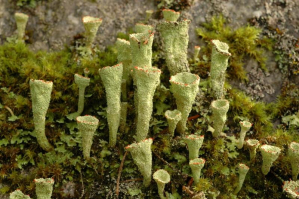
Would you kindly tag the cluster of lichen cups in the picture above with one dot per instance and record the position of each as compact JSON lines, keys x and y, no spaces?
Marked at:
{"x":136,"y":56}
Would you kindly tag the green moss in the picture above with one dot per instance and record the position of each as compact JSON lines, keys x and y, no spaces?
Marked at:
{"x":243,"y":42}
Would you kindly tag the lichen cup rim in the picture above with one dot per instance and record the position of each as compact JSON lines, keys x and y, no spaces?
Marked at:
{"x":173,"y":114}
{"x":162,"y":176}
{"x":221,"y":47}
{"x":137,"y":37}
{"x":246,"y":124}
{"x":137,"y":144}
{"x":194,"y":137}
{"x":243,"y":166}
{"x":20,"y":14}
{"x":84,"y":119}
{"x":90,"y":19}
{"x":184,"y":79}
{"x":197,"y":161}
{"x":252,"y":142}
{"x":271,"y":149}
{"x":220,"y":103}
{"x":294,"y":146}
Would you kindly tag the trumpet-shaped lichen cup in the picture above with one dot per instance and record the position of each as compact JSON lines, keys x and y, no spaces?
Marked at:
{"x":161,"y":177}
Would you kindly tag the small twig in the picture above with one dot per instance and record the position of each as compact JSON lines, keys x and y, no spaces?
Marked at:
{"x":131,"y":180}
{"x":119,"y":173}
{"x":82,"y":186}
{"x":277,"y":176}
{"x":193,"y":117}
{"x":9,"y":110}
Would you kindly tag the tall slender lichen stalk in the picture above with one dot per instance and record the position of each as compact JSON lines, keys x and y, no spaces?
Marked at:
{"x":194,"y":143}
{"x":245,"y":126}
{"x":218,"y":119}
{"x":40,"y":94}
{"x":82,"y":83}
{"x":147,"y":81}
{"x":91,"y":25}
{"x":87,"y":125}
{"x":17,"y":194}
{"x":161,"y":177}
{"x":293,"y":154}
{"x":44,"y":188}
{"x":243,"y":169}
{"x":124,"y":56}
{"x":112,"y":78}
{"x":184,"y":87}
{"x":21,"y":20}
{"x":196,"y":166}
{"x":219,"y":63}
{"x":175,"y":41}
{"x":270,"y":154}
{"x":142,"y":156}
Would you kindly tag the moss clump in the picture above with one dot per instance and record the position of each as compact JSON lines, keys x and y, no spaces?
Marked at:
{"x":242,"y":42}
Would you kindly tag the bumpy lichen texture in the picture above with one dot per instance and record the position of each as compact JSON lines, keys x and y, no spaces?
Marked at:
{"x":17,"y":194}
{"x":91,"y":25}
{"x":252,"y":144}
{"x":112,"y":79}
{"x":173,"y":117}
{"x":243,"y":169}
{"x":123,"y":116}
{"x":143,"y":28}
{"x":21,"y":20}
{"x":245,"y":126}
{"x":196,"y":166}
{"x":40,"y":94}
{"x":141,"y":49}
{"x":218,"y":119}
{"x":219,"y":63}
{"x":194,"y":143}
{"x":291,"y":188}
{"x":270,"y":154}
{"x":170,"y":15}
{"x":161,"y":177}
{"x":293,"y":153}
{"x":82,"y":83}
{"x":124,"y":56}
{"x":184,"y":87}
{"x":44,"y":188}
{"x":147,"y":81}
{"x":142,"y":156}
{"x":175,"y":43}
{"x":87,"y":125}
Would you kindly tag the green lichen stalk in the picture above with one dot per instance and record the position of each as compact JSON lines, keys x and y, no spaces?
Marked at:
{"x":40,"y":94}
{"x":44,"y":188}
{"x":243,"y":169}
{"x":17,"y":194}
{"x":143,"y":28}
{"x":196,"y":166}
{"x":87,"y":125}
{"x":170,"y":15}
{"x":91,"y":25}
{"x":270,"y":154}
{"x":194,"y":143}
{"x":147,"y":81}
{"x":175,"y":40}
{"x":184,"y":87}
{"x":173,"y":117}
{"x":161,"y":177}
{"x":219,"y":110}
{"x":141,"y":49}
{"x":123,"y":117}
{"x":142,"y":156}
{"x":112,"y":79}
{"x":293,"y":154}
{"x":219,"y":63}
{"x":252,"y":144}
{"x":82,"y":83}
{"x":124,"y":56}
{"x":245,"y":126}
{"x":291,"y":188}
{"x":21,"y":20}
